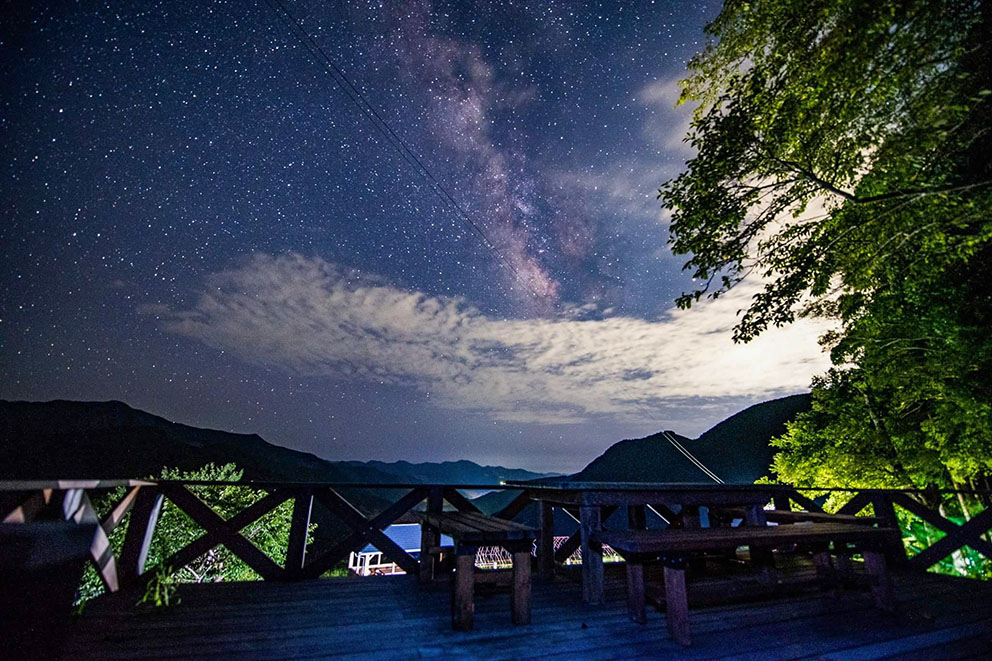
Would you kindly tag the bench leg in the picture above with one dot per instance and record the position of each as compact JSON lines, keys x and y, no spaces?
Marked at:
{"x":520,"y":597}
{"x":546,"y":543}
{"x":677,"y":605}
{"x":463,"y":604}
{"x":881,"y":583}
{"x":763,"y":561}
{"x":635,"y":591}
{"x":825,"y":574}
{"x":429,"y":539}
{"x":592,"y":555}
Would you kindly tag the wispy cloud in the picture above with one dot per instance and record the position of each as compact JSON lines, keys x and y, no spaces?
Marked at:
{"x":310,"y":317}
{"x":630,"y":183}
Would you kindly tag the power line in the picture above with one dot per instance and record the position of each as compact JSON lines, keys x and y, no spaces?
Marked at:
{"x":688,"y":455}
{"x":383,"y":127}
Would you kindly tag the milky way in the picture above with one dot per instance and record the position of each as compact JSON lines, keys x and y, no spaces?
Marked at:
{"x":151,"y":148}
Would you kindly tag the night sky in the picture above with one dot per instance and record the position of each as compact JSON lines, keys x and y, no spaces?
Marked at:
{"x":200,"y":221}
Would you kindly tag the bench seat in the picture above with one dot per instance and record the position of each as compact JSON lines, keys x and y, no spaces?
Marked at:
{"x":789,"y":516}
{"x":673,"y":545}
{"x":469,"y":531}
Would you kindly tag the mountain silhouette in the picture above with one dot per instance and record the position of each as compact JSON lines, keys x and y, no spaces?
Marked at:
{"x":735,"y":450}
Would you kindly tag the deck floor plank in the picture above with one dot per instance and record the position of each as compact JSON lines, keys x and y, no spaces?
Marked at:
{"x":391,"y":618}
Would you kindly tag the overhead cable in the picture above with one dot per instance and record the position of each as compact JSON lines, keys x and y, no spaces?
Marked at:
{"x":383,"y":127}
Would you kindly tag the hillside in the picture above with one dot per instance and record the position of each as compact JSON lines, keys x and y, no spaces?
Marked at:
{"x":451,"y":472}
{"x":63,"y":439}
{"x":736,"y":450}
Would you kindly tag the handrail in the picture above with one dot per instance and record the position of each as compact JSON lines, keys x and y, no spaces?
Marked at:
{"x":22,"y":485}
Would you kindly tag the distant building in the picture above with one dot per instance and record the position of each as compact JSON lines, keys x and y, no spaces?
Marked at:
{"x":371,"y":562}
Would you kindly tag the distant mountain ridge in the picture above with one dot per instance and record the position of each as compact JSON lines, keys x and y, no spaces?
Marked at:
{"x":71,"y":439}
{"x":451,"y":472}
{"x":735,"y":450}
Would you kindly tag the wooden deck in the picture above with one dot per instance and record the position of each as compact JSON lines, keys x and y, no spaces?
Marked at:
{"x":390,"y":617}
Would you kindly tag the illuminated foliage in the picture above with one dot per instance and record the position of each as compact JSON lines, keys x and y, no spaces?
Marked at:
{"x":843,"y":156}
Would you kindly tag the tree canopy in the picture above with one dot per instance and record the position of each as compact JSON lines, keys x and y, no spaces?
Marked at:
{"x":843,"y":157}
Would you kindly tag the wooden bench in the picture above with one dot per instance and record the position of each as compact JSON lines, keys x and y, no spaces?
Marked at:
{"x":672,"y":546}
{"x":469,"y":531}
{"x":788,"y":516}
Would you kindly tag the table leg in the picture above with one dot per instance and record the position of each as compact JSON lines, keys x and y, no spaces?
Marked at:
{"x":677,"y":603}
{"x":635,"y":591}
{"x":636,"y":517}
{"x":691,"y":520}
{"x":546,"y":543}
{"x":590,"y":522}
{"x":881,"y":583}
{"x":430,"y":537}
{"x":520,"y":597}
{"x":463,"y":604}
{"x":761,"y":558}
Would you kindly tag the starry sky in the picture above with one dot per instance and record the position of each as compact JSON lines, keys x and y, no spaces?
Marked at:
{"x":370,"y":230}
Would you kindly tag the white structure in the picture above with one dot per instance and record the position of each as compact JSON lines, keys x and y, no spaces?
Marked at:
{"x":371,"y":562}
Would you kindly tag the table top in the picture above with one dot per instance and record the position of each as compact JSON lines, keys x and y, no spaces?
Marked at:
{"x":629,"y":493}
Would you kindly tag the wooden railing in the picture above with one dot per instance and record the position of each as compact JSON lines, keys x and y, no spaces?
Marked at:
{"x":142,"y":502}
{"x":972,"y":533}
{"x":23,"y":502}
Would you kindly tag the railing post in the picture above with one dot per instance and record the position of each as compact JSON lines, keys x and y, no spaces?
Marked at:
{"x":895,"y":551}
{"x":77,"y":507}
{"x":429,"y":537}
{"x":590,"y":523}
{"x":296,"y":547}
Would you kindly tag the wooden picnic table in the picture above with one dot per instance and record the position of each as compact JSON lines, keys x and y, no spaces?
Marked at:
{"x":469,"y":531}
{"x":596,"y":501}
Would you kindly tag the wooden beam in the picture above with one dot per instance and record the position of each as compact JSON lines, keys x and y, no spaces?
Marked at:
{"x":969,"y":534}
{"x":895,"y":550}
{"x":857,"y":503}
{"x":937,"y":521}
{"x":324,"y":561}
{"x":201,"y":545}
{"x":140,"y":531}
{"x":635,"y":591}
{"x":299,"y":529}
{"x":355,"y":520}
{"x":804,"y":502}
{"x":546,"y":542}
{"x":677,"y":605}
{"x":460,"y":502}
{"x":520,"y":596}
{"x":515,"y":507}
{"x":592,"y":555}
{"x":881,"y":583}
{"x":430,"y":538}
{"x":79,"y":508}
{"x":259,"y":508}
{"x":219,"y":531}
{"x":30,"y":507}
{"x":566,"y":550}
{"x":119,"y":511}
{"x":636,"y":517}
{"x":463,"y":602}
{"x":919,"y":509}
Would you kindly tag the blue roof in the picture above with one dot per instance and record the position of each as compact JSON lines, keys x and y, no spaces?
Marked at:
{"x":406,"y":536}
